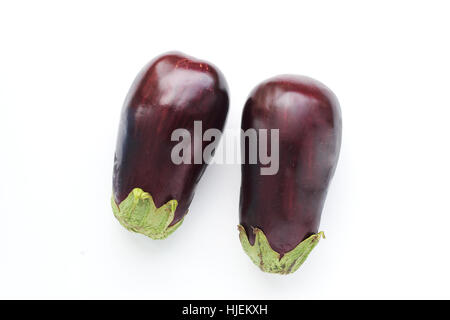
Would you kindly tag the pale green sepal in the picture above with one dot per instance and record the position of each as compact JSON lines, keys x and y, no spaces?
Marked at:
{"x":268,"y":260}
{"x":138,"y":213}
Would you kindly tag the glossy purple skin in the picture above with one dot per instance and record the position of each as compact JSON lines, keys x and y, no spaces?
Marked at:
{"x":287,"y":206}
{"x":171,"y":92}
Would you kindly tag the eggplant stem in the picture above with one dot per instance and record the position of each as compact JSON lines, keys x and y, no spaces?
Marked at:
{"x":138,"y":213}
{"x":268,"y":260}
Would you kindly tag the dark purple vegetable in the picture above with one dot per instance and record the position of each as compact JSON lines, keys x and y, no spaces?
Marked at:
{"x":152,"y":194}
{"x":280,"y":213}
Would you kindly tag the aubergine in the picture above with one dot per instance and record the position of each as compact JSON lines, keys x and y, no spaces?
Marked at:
{"x":151,"y":192}
{"x":280,"y":213}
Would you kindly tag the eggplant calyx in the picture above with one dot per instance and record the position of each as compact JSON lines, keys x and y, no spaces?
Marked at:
{"x":268,"y":260}
{"x":138,"y":213}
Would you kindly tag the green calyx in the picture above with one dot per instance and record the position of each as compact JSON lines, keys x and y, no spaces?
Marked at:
{"x":138,"y":213}
{"x":268,"y":260}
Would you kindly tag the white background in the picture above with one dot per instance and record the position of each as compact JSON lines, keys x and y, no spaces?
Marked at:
{"x":65,"y":68}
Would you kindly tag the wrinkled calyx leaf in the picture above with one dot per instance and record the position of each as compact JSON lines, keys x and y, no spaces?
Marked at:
{"x":138,"y":213}
{"x":268,"y":260}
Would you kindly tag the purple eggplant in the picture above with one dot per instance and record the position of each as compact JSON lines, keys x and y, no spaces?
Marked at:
{"x":280,"y":212}
{"x":151,"y":192}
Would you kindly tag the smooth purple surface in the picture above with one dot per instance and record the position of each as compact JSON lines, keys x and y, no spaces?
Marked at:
{"x":287,"y":206}
{"x":171,"y":92}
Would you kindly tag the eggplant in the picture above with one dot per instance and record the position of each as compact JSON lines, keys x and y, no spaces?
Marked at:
{"x":280,"y":213}
{"x":151,"y":192}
